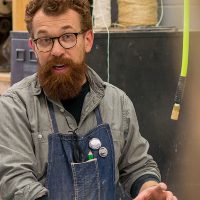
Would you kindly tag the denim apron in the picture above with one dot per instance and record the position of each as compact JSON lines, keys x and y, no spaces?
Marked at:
{"x":71,"y":175}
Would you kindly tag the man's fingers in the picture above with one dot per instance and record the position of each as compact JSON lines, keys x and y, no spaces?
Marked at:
{"x":161,"y":186}
{"x":172,"y":198}
{"x":158,"y":192}
{"x":169,"y":195}
{"x":175,"y":198}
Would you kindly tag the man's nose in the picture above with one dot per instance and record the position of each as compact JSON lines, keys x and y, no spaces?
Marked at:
{"x":57,"y":49}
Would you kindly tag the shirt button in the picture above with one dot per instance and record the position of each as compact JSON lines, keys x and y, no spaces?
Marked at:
{"x":40,"y":136}
{"x":62,"y":110}
{"x":86,"y":109}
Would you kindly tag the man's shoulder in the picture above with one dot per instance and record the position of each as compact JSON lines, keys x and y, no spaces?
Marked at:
{"x":26,"y":85}
{"x":116,"y":95}
{"x":114,"y":90}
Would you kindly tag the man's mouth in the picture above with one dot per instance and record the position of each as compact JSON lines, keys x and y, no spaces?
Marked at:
{"x":59,"y":67}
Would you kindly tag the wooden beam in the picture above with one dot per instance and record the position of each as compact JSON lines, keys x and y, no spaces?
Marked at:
{"x":18,"y":11}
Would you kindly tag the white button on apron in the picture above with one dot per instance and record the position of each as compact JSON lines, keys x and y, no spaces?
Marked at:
{"x":103,"y":152}
{"x":94,"y":143}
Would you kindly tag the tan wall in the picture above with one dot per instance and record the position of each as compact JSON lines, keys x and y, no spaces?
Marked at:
{"x":18,"y":11}
{"x":4,"y":84}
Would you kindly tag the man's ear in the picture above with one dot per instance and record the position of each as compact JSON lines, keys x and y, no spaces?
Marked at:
{"x":89,"y":38}
{"x":31,"y":44}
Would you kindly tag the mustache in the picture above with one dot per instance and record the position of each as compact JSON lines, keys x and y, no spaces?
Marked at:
{"x":55,"y":61}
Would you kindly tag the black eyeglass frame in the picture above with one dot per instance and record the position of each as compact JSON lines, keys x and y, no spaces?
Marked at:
{"x":58,"y":38}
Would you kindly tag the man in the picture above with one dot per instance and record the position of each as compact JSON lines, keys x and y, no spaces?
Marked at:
{"x":64,"y":133}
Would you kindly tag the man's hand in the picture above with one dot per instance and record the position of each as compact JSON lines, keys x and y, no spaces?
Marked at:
{"x":158,"y":192}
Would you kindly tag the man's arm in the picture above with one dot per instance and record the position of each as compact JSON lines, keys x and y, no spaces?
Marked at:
{"x":142,"y":183}
{"x":147,"y":185}
{"x":18,"y":166}
{"x":136,"y":165}
{"x":142,"y":169}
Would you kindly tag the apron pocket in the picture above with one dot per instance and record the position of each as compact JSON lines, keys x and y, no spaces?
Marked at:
{"x":86,"y":180}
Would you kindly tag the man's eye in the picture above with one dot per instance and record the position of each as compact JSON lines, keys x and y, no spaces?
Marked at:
{"x":44,"y":41}
{"x":67,"y":37}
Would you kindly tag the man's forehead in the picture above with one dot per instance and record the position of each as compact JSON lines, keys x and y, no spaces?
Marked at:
{"x":70,"y":20}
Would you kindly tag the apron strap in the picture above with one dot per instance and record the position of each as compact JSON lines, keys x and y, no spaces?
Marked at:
{"x":52,"y":115}
{"x":98,"y":116}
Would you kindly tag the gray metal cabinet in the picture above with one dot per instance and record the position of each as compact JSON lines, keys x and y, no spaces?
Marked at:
{"x":23,"y":61}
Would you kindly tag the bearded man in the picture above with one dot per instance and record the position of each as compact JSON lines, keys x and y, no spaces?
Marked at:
{"x":65,"y":134}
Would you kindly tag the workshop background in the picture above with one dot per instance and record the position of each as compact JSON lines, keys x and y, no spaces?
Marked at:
{"x":139,"y":49}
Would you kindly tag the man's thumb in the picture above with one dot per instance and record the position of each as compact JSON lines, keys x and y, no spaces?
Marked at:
{"x":162,"y":186}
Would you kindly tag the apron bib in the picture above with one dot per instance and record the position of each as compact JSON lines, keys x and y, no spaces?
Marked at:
{"x":82,"y":168}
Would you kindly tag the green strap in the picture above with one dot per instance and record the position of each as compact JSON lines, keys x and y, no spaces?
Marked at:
{"x":186,"y":35}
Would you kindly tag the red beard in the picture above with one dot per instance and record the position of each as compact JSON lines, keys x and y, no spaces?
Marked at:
{"x":62,"y":86}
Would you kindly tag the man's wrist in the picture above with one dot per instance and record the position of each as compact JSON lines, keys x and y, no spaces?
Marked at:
{"x":137,"y":186}
{"x":148,"y":184}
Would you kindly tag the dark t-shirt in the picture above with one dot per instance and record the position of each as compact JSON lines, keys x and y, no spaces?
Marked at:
{"x":74,"y":105}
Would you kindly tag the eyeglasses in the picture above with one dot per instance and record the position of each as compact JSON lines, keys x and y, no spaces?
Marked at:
{"x":67,"y":41}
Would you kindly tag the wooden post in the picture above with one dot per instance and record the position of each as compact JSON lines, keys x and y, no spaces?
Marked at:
{"x":4,"y":84}
{"x":18,"y":10}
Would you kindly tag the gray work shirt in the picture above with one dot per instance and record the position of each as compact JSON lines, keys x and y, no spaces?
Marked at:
{"x":25,"y":126}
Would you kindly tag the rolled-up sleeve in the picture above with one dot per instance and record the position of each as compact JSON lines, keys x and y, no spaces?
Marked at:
{"x":135,"y":161}
{"x":18,"y":165}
